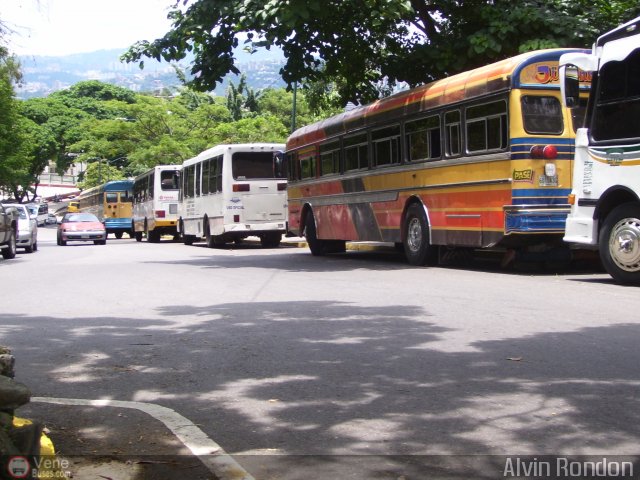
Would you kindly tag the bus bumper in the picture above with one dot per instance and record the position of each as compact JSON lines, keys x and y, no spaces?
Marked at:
{"x":255,"y":228}
{"x":521,"y":219}
{"x":582,"y":229}
{"x":114,"y":225}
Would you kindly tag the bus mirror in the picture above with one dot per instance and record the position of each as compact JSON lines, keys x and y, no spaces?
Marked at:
{"x":570,"y":85}
{"x":278,"y":165}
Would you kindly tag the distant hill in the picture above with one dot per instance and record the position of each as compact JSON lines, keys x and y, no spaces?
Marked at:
{"x":44,"y":75}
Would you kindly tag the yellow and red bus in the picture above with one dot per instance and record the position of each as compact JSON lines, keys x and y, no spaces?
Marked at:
{"x":480,"y":159}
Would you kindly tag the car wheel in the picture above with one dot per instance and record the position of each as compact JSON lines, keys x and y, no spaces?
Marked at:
{"x":10,"y":252}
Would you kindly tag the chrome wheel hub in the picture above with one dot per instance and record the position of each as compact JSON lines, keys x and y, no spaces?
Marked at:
{"x":624,"y":244}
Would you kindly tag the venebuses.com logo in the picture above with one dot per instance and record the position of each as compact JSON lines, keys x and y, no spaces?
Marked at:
{"x":38,"y":467}
{"x":18,"y":467}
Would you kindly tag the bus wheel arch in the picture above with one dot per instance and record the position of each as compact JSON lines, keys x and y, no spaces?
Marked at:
{"x":619,"y":243}
{"x":610,"y":199}
{"x":416,"y":234}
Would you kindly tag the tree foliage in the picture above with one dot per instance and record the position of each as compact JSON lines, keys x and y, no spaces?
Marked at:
{"x":365,"y":42}
{"x":118,"y":133}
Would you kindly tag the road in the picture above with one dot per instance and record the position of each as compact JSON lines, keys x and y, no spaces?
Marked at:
{"x":296,"y":364}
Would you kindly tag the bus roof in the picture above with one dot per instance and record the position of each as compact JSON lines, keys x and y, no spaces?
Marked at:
{"x":219,"y":149}
{"x":626,"y":30}
{"x":500,"y":76}
{"x":157,"y":168}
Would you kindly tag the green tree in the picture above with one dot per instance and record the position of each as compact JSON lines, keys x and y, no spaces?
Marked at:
{"x":99,"y":172}
{"x":364,"y":42}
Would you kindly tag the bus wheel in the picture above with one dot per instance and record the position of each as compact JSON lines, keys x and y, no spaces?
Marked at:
{"x":210,"y":239}
{"x":620,"y":243}
{"x":118,"y":235}
{"x":417,"y":248}
{"x":138,"y":236}
{"x":188,"y":239}
{"x":270,"y":240}
{"x":317,"y":247}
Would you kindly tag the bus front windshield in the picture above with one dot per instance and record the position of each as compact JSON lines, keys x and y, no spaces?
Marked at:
{"x":255,"y":165}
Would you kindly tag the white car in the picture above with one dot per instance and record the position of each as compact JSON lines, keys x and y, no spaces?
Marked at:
{"x":27,"y":228}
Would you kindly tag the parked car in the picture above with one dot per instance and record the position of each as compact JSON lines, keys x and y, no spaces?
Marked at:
{"x":41,"y":211}
{"x":8,"y":231}
{"x":81,"y":227}
{"x":27,"y":237}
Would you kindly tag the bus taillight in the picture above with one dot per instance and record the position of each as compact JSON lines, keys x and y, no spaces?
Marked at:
{"x":241,"y":187}
{"x":160,"y":213}
{"x":548,"y":151}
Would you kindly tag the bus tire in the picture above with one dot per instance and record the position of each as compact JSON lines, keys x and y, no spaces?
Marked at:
{"x":210,"y":239}
{"x":118,"y":235}
{"x":153,"y":236}
{"x":318,"y":247}
{"x":271,"y":239}
{"x":188,"y":239}
{"x":417,"y":248}
{"x":138,"y":236}
{"x":10,"y":252}
{"x":619,"y":243}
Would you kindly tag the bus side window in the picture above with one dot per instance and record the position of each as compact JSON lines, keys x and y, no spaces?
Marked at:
{"x":452,"y":133}
{"x":422,"y":139}
{"x":219,"y":174}
{"x":386,"y":145}
{"x":486,"y":127}
{"x":308,"y":167}
{"x":197,"y":178}
{"x":356,"y":155}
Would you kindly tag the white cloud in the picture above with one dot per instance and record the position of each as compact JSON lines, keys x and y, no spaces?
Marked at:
{"x":62,"y":27}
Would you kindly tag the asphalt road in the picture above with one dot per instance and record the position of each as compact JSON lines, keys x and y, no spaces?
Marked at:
{"x":350,"y":366}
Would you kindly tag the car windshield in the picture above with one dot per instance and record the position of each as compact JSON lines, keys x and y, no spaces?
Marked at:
{"x":19,"y":209}
{"x":80,"y":217}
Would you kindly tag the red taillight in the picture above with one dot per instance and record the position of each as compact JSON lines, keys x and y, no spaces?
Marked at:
{"x":548,"y":151}
{"x":241,"y":187}
{"x":160,"y":214}
{"x":282,"y":186}
{"x":236,"y":218}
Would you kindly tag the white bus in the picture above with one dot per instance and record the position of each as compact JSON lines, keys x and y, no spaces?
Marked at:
{"x":155,"y":203}
{"x":605,"y":199}
{"x":231,"y":192}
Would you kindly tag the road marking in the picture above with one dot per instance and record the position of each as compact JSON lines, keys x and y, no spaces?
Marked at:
{"x":209,"y":452}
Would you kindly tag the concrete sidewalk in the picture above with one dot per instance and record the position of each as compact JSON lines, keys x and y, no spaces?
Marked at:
{"x":118,"y":443}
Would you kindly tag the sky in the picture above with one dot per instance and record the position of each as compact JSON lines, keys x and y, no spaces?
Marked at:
{"x":63,"y":27}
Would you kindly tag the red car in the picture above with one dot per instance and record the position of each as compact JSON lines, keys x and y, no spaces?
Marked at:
{"x":81,"y":227}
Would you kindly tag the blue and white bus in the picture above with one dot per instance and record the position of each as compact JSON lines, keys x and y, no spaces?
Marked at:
{"x":112,"y":204}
